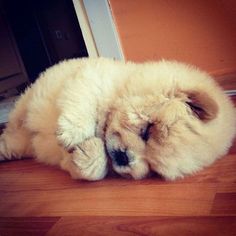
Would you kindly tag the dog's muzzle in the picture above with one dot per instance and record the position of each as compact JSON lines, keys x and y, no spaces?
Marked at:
{"x":120,"y":158}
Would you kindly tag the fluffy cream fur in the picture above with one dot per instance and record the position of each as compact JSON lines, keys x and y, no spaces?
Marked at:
{"x":166,"y":116}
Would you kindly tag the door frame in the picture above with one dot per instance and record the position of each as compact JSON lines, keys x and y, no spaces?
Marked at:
{"x":98,"y":28}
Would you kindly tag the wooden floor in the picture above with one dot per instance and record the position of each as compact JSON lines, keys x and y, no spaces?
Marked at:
{"x":41,"y":200}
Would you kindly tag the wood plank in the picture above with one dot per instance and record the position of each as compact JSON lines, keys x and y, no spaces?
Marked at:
{"x":224,"y":203}
{"x":51,"y":192}
{"x":161,"y":226}
{"x":110,"y":197}
{"x":26,"y":226}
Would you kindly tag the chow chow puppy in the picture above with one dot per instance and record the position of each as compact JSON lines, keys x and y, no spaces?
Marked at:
{"x":164,"y":116}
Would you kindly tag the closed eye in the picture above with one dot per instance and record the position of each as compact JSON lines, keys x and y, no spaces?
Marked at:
{"x":196,"y":109}
{"x":145,"y":133}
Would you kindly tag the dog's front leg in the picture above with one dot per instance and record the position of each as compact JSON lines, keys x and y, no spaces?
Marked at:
{"x":78,"y":114}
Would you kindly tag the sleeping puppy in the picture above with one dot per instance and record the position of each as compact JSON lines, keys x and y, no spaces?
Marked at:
{"x":164,"y":116}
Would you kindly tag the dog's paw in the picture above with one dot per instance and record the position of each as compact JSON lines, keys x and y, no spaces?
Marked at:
{"x":90,"y":159}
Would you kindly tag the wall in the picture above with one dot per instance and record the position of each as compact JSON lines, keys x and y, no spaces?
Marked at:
{"x":198,"y":32}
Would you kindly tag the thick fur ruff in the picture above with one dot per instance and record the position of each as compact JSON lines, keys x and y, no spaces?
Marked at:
{"x":164,"y":116}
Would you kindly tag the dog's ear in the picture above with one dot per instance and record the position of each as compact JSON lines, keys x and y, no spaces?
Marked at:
{"x":202,"y":105}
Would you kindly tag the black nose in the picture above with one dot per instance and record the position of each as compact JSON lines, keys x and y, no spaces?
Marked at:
{"x":120,"y":158}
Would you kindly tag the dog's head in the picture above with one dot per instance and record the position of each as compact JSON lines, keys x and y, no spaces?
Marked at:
{"x":173,"y":131}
